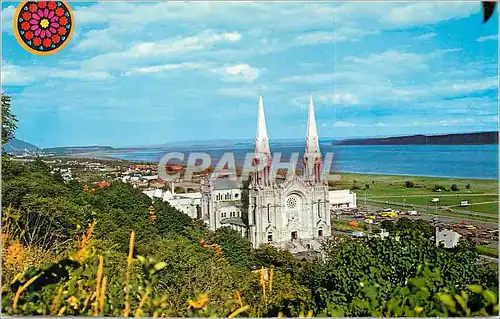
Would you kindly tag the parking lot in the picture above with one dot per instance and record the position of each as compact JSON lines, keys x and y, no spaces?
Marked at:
{"x":483,"y":233}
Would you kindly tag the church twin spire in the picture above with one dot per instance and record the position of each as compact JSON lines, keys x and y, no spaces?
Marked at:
{"x":262,"y":140}
{"x":312,"y":168}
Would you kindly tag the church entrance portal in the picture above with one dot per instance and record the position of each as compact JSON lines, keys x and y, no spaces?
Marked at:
{"x":294,"y":235}
{"x":320,"y":233}
{"x":269,"y":237}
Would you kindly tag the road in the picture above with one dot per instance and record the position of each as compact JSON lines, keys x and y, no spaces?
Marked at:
{"x":447,"y":219}
{"x":434,"y":195}
{"x":425,"y":207}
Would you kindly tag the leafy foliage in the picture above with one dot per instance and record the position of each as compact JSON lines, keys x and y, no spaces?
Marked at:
{"x":409,"y":184}
{"x":9,"y":120}
{"x":68,"y":250}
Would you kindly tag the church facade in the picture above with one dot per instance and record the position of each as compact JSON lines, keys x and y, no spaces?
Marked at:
{"x":291,"y":213}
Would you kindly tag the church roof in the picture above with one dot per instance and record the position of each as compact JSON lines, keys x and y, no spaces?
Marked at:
{"x":233,"y":221}
{"x":220,"y":184}
{"x":231,"y":203}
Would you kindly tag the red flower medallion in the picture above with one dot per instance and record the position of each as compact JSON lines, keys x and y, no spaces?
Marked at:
{"x":43,"y":27}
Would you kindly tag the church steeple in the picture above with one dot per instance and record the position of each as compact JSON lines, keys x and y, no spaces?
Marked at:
{"x":312,"y":143}
{"x":261,"y":138}
{"x":263,"y":177}
{"x":312,"y":155}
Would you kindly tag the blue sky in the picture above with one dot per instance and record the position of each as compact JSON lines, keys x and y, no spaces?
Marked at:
{"x":151,"y":73}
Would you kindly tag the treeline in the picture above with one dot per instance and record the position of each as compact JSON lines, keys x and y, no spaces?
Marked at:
{"x":112,"y":252}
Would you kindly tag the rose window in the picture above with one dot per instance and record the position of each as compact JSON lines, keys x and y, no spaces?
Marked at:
{"x":291,"y":202}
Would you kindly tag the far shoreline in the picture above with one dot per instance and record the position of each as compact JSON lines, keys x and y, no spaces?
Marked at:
{"x":109,"y":158}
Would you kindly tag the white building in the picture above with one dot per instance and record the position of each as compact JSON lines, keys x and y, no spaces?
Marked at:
{"x":188,"y":203}
{"x":448,"y":238}
{"x":291,"y":213}
{"x":342,"y":199}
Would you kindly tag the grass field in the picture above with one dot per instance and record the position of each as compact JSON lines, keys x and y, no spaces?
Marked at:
{"x":488,"y":251}
{"x":482,"y":195}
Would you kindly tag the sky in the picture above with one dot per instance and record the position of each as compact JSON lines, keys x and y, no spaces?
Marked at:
{"x":146,"y":73}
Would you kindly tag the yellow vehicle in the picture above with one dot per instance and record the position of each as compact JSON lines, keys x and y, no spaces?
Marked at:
{"x":471,"y":227}
{"x":370,"y":217}
{"x":390,"y":214}
{"x":393,"y":215}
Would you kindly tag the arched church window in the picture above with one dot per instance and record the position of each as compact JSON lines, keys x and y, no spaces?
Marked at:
{"x":198,"y":211}
{"x":268,"y":213}
{"x":319,"y":208}
{"x":269,"y":237}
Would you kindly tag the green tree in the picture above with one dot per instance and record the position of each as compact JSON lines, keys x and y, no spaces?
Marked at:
{"x":409,"y":184}
{"x":179,"y":189}
{"x":9,"y":120}
{"x":237,"y":249}
{"x":454,"y":188}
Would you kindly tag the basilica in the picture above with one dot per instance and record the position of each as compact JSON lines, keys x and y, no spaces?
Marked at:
{"x":292,"y":213}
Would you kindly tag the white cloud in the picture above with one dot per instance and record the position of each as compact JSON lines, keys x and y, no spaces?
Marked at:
{"x":488,"y":37}
{"x":160,"y":50}
{"x":347,"y":98}
{"x":468,"y":86}
{"x":310,"y":78}
{"x":431,"y":12}
{"x":343,"y":124}
{"x":14,"y":75}
{"x":334,"y":22}
{"x":391,"y":61}
{"x":426,"y":36}
{"x":443,"y":122}
{"x":338,"y":35}
{"x":100,"y":40}
{"x":238,"y":92}
{"x":7,"y":15}
{"x":238,"y":73}
{"x":169,"y":67}
{"x":444,"y":89}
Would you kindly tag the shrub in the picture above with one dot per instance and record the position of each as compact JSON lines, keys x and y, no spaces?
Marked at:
{"x":409,"y":184}
{"x":454,"y":188}
{"x":179,"y":189}
{"x":438,"y":188}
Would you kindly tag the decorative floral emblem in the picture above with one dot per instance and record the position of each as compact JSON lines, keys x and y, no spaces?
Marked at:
{"x":43,"y":27}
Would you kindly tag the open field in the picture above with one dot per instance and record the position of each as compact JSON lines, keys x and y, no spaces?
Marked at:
{"x":488,"y":251}
{"x":390,"y":190}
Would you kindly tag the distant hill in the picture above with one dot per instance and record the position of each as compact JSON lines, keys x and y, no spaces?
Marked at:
{"x":446,"y":139}
{"x":15,"y":146}
{"x":68,"y":150}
